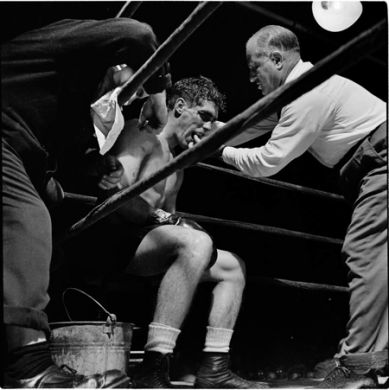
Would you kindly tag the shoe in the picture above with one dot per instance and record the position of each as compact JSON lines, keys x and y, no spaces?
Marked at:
{"x":55,"y":377}
{"x":343,"y":378}
{"x":153,"y":372}
{"x":214,"y":373}
{"x":323,"y":368}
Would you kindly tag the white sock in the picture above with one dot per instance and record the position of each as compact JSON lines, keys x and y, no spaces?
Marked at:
{"x":217,"y":339}
{"x":161,"y":338}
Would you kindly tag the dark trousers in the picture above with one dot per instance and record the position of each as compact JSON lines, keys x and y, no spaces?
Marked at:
{"x":27,"y":246}
{"x":365,"y":181}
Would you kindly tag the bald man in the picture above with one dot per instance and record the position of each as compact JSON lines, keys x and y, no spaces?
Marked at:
{"x":344,"y":127}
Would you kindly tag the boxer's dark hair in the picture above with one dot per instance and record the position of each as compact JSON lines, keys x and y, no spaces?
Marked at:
{"x":195,"y":90}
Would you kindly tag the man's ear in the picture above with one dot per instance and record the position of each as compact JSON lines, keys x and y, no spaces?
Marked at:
{"x":277,"y":59}
{"x":179,"y":107}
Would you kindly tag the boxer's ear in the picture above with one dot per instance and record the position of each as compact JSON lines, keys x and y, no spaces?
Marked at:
{"x":179,"y":107}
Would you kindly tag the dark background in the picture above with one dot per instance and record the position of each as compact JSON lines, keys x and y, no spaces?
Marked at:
{"x":278,"y":326}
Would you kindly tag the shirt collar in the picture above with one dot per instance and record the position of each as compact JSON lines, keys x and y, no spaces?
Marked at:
{"x":300,"y":68}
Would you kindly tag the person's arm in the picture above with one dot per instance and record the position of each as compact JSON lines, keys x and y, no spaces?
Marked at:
{"x":262,"y":127}
{"x":298,"y":128}
{"x":92,"y":47}
{"x":98,"y":44}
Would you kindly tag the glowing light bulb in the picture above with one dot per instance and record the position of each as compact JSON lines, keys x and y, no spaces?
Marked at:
{"x":336,"y":15}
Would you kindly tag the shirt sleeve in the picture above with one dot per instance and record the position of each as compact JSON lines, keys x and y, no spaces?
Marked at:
{"x":299,"y":126}
{"x":103,"y":43}
{"x":262,"y":127}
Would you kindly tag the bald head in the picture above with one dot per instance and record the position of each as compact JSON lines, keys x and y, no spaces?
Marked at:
{"x":272,"y":37}
{"x":272,"y":52}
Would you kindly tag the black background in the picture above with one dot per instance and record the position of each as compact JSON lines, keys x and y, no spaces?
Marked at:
{"x":278,"y":326}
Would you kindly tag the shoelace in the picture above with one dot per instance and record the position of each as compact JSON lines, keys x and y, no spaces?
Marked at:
{"x":338,"y":372}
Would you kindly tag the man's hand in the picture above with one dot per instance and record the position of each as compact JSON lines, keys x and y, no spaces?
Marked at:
{"x":111,"y":171}
{"x":202,"y":131}
{"x":153,"y":116}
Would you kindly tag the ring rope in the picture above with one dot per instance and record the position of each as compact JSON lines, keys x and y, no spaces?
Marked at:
{"x":297,"y":26}
{"x":166,"y":50}
{"x":261,"y":228}
{"x":296,"y":284}
{"x":130,"y":8}
{"x":85,"y":199}
{"x":342,"y":58}
{"x":273,"y":183}
{"x":91,"y":200}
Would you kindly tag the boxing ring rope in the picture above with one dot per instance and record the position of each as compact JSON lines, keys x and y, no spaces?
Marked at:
{"x":296,"y":26}
{"x":261,"y":228}
{"x":362,"y":45}
{"x":273,"y":183}
{"x":262,"y":280}
{"x":166,"y":50}
{"x":129,"y":8}
{"x":265,"y":280}
{"x":91,"y":200}
{"x":84,"y":199}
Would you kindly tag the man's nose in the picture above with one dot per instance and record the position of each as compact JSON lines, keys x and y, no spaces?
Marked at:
{"x":252,"y":76}
{"x":207,"y":126}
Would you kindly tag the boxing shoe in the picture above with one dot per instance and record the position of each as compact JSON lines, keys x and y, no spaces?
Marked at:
{"x":153,"y":372}
{"x":323,"y":368}
{"x":55,"y":377}
{"x":343,"y":378}
{"x":214,"y":373}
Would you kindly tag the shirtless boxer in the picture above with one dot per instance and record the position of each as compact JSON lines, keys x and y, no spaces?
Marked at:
{"x":179,"y":248}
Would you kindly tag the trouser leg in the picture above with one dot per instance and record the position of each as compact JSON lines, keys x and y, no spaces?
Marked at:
{"x":26,"y":247}
{"x":365,"y":250}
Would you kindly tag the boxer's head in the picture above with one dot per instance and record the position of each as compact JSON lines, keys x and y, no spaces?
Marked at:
{"x":194,"y":104}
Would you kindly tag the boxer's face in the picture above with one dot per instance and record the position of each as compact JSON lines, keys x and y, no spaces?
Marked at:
{"x":264,"y":69}
{"x":195,"y":122}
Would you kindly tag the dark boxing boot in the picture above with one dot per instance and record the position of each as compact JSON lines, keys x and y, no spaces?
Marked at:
{"x":214,"y":373}
{"x":153,"y":372}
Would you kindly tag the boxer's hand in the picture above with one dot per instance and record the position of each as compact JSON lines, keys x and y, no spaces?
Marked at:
{"x":153,"y":115}
{"x":111,"y":171}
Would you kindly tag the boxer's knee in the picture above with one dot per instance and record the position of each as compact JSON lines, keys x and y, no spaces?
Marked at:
{"x":235,"y":269}
{"x":228,"y":268}
{"x":194,"y":248}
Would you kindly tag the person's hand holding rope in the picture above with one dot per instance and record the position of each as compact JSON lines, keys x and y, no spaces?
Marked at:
{"x":153,"y":115}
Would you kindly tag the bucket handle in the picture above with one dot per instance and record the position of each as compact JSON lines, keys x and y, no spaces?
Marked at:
{"x":111,"y":319}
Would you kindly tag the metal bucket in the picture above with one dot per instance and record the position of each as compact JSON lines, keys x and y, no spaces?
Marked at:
{"x":91,"y":347}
